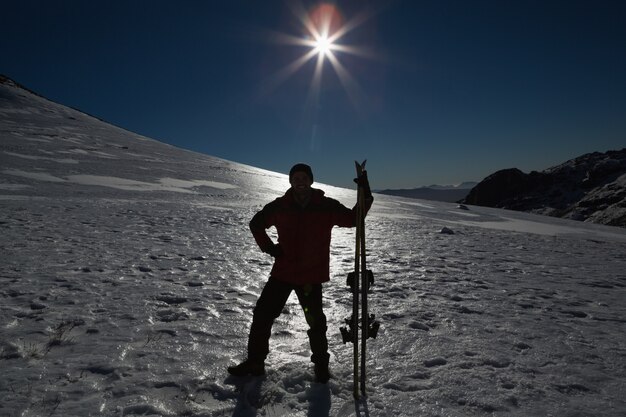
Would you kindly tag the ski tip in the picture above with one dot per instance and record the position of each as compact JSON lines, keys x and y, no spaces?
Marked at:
{"x":360,"y":167}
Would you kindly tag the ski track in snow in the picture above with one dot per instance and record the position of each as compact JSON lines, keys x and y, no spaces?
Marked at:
{"x":132,"y":301}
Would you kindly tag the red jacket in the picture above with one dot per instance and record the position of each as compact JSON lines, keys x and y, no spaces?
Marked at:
{"x":303,"y":235}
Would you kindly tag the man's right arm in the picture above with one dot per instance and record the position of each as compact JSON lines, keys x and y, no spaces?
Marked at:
{"x":259,"y":223}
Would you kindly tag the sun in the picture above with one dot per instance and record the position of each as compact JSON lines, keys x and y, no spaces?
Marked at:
{"x":323,"y":23}
{"x":323,"y":29}
{"x":323,"y":45}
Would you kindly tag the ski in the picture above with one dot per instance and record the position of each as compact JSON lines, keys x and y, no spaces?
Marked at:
{"x":359,"y":282}
{"x":355,"y":296}
{"x":363,"y":273}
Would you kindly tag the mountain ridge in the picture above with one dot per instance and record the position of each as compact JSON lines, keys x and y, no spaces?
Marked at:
{"x":445,"y":193}
{"x":590,"y":188}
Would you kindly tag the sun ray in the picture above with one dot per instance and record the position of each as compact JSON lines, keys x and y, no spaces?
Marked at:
{"x":282,"y":75}
{"x":300,"y":12}
{"x":352,"y":24}
{"x":313,"y":96}
{"x":362,"y":52}
{"x":350,"y":85}
{"x":286,"y":39}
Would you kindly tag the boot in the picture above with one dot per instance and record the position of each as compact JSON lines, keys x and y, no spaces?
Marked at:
{"x":247,"y":367}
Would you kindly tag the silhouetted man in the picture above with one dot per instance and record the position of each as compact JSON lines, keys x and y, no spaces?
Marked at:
{"x":304,"y":219}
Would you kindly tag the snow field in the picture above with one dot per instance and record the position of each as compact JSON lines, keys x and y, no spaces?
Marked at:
{"x":137,"y":308}
{"x":129,"y":275}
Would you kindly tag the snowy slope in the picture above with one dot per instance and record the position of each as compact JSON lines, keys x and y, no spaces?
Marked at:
{"x":128,"y":279}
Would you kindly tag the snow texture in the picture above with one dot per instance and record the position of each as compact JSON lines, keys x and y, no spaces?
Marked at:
{"x":129,"y":275}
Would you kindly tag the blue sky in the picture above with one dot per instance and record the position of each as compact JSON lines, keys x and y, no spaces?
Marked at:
{"x":447,"y":91}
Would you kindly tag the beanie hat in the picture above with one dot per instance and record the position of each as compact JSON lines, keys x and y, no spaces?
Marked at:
{"x":302,"y":168}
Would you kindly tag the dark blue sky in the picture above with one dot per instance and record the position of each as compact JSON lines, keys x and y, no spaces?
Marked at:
{"x":449,"y":90}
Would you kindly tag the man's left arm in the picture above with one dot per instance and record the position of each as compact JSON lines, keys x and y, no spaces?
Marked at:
{"x":346,"y":217}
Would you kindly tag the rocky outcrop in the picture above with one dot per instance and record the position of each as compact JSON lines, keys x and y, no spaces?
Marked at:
{"x":591,"y":188}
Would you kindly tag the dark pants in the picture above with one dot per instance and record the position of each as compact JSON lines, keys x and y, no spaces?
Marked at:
{"x":269,"y":306}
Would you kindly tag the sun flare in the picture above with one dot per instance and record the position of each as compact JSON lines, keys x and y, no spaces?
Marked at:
{"x":323,"y":45}
{"x":323,"y":30}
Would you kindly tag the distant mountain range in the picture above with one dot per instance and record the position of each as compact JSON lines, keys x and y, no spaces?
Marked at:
{"x":590,"y":188}
{"x":447,"y":193}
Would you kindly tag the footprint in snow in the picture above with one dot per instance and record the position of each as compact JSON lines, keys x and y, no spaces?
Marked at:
{"x":438,"y":361}
{"x":419,"y":326}
{"x":171,"y":299}
{"x":169,"y":315}
{"x":408,"y":384}
{"x":497,"y":362}
{"x":575,"y":313}
{"x":571,"y":389}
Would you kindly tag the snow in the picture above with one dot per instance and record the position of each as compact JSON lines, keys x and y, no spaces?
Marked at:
{"x":163,"y":184}
{"x":128,"y":283}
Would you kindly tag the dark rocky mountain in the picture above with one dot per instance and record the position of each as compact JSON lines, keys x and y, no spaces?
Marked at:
{"x":590,"y":188}
{"x":448,"y":194}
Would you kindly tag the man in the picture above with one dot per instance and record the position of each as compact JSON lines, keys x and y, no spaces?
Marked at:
{"x":304,"y":219}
